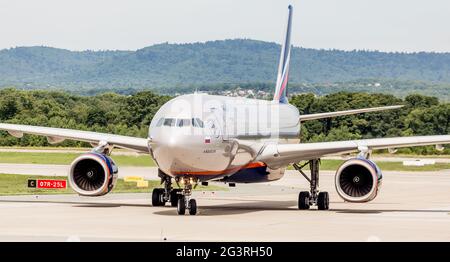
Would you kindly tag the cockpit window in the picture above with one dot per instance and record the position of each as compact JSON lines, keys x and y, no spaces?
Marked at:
{"x":200,"y":122}
{"x":197,"y":122}
{"x":183,"y":122}
{"x":160,"y":122}
{"x":169,"y":122}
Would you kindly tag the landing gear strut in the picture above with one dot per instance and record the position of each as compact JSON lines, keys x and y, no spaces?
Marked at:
{"x":185,"y":201}
{"x":178,"y":197}
{"x":313,"y":197}
{"x":167,"y":194}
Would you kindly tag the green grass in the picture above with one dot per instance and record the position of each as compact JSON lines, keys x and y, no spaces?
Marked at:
{"x":67,"y":158}
{"x":331,"y":164}
{"x":17,"y":185}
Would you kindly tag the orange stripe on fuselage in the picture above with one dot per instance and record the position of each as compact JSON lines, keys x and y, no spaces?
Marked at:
{"x":226,"y":171}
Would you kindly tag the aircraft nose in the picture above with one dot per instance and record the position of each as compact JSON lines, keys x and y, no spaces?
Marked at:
{"x":168,"y":144}
{"x":173,"y":152}
{"x":171,"y":141}
{"x":177,"y":152}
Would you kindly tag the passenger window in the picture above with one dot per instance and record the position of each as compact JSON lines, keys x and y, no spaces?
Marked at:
{"x":169,"y":122}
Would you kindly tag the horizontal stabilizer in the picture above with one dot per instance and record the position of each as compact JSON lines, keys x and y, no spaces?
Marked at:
{"x":346,"y":112}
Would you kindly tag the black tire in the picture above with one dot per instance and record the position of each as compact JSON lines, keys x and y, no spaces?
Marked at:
{"x":181,"y":205}
{"x":157,"y":196}
{"x":303,"y":200}
{"x":192,"y":207}
{"x":174,"y":195}
{"x":323,"y":201}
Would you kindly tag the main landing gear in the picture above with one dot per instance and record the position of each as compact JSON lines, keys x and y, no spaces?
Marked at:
{"x":313,"y":197}
{"x":160,"y":196}
{"x":178,"y":197}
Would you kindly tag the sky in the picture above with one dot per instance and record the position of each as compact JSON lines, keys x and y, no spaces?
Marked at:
{"x":385,"y":25}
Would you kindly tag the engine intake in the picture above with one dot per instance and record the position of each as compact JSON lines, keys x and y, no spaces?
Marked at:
{"x":358,"y":180}
{"x":93,"y":174}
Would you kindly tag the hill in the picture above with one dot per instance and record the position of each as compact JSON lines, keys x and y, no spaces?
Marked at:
{"x":228,"y":61}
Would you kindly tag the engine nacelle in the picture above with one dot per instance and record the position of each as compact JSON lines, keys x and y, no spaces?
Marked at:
{"x":358,"y":180}
{"x":93,"y":174}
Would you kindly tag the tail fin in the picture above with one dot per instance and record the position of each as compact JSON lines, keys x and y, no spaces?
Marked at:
{"x":283,"y":68}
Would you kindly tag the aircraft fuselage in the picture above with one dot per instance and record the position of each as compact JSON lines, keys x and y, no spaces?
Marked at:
{"x":202,"y":136}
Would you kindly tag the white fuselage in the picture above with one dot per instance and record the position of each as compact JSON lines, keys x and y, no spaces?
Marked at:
{"x":199,"y":135}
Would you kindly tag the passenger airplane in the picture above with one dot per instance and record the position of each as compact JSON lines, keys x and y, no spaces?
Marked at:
{"x":199,"y":138}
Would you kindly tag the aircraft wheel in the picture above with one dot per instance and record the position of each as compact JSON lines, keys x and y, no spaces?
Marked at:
{"x":157,"y":195}
{"x":192,"y":207}
{"x":303,"y":200}
{"x":323,"y":201}
{"x":181,"y":206}
{"x":174,"y":197}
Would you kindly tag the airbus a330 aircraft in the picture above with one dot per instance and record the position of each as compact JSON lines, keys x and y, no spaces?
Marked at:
{"x":199,"y":138}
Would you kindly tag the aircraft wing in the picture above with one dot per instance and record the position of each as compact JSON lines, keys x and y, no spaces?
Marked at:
{"x":277,"y":155}
{"x":346,"y":112}
{"x":57,"y":135}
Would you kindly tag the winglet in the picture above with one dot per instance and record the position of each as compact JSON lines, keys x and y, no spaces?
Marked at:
{"x":280,"y":94}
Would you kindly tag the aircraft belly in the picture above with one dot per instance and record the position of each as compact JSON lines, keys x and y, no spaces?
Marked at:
{"x":189,"y":162}
{"x":255,"y":174}
{"x":193,"y":159}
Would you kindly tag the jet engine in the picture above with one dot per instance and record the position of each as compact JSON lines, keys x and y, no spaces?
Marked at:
{"x":358,"y":180}
{"x":93,"y":174}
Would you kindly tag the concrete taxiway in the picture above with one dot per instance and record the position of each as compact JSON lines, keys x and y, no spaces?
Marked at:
{"x":411,"y":207}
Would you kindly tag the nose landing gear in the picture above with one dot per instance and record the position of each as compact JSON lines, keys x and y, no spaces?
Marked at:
{"x":178,"y":197}
{"x":185,"y":201}
{"x":191,"y":206}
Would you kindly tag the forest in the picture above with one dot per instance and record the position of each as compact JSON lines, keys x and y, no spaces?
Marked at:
{"x":131,"y":115}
